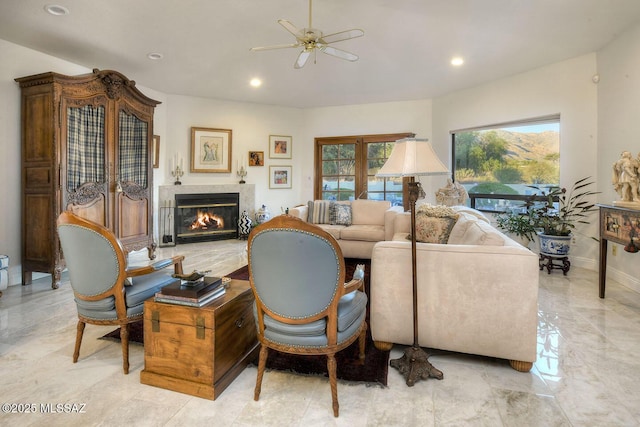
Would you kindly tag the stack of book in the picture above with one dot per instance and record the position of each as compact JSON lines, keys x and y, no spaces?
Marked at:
{"x":192,"y":293}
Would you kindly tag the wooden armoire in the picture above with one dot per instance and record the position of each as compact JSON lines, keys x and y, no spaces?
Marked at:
{"x":86,"y":147}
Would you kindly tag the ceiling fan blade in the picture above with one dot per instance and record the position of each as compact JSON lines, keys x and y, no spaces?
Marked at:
{"x":338,"y":53}
{"x":298,"y":33}
{"x":302,"y":58}
{"x":343,"y":35}
{"x":277,"y":46}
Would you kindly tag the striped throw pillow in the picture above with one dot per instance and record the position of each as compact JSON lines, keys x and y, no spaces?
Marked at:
{"x":319,"y":211}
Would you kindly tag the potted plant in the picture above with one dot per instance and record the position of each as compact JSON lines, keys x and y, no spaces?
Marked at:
{"x":518,"y":223}
{"x":557,"y":223}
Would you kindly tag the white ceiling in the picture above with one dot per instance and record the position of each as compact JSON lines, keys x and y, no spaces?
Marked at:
{"x":404,"y":53}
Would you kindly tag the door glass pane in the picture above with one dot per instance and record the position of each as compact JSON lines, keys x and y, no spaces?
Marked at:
{"x":338,"y":171}
{"x":85,"y":146}
{"x":133,"y":150}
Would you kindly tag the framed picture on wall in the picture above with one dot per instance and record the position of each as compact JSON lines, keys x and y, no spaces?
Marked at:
{"x":156,"y":151}
{"x":280,"y":146}
{"x":256,"y":158}
{"x":210,"y":150}
{"x":280,"y":176}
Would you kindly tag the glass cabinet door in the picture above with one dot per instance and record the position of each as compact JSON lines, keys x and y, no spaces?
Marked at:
{"x":85,"y":145}
{"x":133,"y":150}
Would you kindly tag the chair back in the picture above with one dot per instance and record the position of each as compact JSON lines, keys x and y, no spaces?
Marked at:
{"x":296,"y":270}
{"x":93,"y":255}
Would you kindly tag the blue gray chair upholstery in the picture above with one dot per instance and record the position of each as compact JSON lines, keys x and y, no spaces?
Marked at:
{"x":302,"y":303}
{"x":106,"y":292}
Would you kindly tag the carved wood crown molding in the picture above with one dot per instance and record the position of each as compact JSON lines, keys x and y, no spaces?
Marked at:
{"x":113,"y":82}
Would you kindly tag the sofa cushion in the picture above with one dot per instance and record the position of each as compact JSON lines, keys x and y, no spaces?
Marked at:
{"x":369,"y":212}
{"x":471,"y":211}
{"x":319,"y":211}
{"x":334,"y":230}
{"x":365,"y":233}
{"x":340,"y":214}
{"x":456,"y":237}
{"x":481,"y":233}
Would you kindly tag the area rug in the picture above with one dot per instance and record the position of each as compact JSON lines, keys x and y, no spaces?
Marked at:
{"x":374,"y":370}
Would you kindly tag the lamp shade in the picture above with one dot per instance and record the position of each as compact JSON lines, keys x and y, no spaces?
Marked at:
{"x":412,"y":157}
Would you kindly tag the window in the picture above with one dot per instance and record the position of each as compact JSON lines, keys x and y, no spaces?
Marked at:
{"x":346,"y":168}
{"x":498,"y":164}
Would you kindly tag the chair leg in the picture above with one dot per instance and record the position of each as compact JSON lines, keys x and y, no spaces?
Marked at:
{"x":362,"y":341}
{"x":333,"y":381}
{"x":262,"y":364}
{"x":79,"y":333}
{"x":124,"y":339}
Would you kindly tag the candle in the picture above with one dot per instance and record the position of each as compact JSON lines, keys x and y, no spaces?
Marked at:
{"x":180,"y":163}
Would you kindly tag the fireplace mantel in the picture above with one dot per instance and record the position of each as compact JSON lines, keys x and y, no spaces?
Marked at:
{"x":247,"y":192}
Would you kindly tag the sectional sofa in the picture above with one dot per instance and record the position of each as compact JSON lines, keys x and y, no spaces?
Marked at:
{"x":477,"y":293}
{"x":357,"y":225}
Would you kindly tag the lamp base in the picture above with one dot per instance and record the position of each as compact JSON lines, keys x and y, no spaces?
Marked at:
{"x":414,"y":365}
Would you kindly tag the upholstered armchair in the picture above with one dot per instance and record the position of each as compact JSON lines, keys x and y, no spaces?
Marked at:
{"x":106,"y":292}
{"x":302,"y":304}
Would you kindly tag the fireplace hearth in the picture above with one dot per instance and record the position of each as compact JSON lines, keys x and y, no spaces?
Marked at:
{"x":206,"y":217}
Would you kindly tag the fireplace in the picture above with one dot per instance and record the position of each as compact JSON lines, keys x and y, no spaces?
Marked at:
{"x":205,"y":217}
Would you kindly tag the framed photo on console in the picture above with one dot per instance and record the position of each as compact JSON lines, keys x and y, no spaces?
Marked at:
{"x":280,"y":147}
{"x":210,"y":150}
{"x":280,"y":176}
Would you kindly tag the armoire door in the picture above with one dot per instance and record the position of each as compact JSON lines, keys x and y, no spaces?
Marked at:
{"x":133,"y":189}
{"x":85,"y":158}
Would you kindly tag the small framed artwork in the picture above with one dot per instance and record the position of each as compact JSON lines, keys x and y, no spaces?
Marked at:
{"x":280,"y":176}
{"x":280,"y":147}
{"x":156,"y":151}
{"x":210,"y":150}
{"x":256,"y":158}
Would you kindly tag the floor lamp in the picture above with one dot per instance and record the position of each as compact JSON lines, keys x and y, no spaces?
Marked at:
{"x":413,"y":157}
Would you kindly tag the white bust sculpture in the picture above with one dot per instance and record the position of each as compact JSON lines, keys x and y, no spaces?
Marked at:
{"x":452,"y":194}
{"x":625,"y":180}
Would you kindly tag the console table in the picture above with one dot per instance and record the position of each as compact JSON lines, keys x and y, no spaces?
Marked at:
{"x":619,"y":225}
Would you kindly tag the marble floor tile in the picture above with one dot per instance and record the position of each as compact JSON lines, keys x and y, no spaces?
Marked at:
{"x":587,"y":372}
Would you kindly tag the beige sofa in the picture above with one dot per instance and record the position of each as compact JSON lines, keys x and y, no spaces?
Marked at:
{"x":371,"y":221}
{"x":477,"y":294}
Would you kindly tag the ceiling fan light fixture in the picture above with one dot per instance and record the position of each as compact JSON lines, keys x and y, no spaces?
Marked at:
{"x":311,"y":40}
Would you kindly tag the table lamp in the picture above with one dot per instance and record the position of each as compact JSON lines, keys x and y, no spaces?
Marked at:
{"x":413,"y":157}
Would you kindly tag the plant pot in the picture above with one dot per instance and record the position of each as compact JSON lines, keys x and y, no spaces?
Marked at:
{"x":554,"y":245}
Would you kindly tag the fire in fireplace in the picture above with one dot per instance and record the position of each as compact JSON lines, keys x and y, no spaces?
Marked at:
{"x":204,"y":217}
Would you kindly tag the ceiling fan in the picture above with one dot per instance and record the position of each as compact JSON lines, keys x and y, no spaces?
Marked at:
{"x":311,"y":40}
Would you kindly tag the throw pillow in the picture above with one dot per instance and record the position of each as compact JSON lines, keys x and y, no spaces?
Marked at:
{"x":431,"y":229}
{"x":340,"y":214}
{"x":319,"y":211}
{"x":434,"y":223}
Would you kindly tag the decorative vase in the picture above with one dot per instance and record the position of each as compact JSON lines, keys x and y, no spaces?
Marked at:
{"x":554,"y":245}
{"x":244,"y":225}
{"x":263,"y":215}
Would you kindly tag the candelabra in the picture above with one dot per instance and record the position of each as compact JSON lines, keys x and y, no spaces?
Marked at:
{"x":242,"y":172}
{"x":177,"y":173}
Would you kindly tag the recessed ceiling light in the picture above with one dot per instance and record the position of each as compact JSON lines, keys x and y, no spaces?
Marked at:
{"x":255,"y":82}
{"x":155,"y":56}
{"x":56,"y":9}
{"x":457,"y":61}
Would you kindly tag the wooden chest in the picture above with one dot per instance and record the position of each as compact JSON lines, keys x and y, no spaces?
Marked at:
{"x":199,"y":351}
